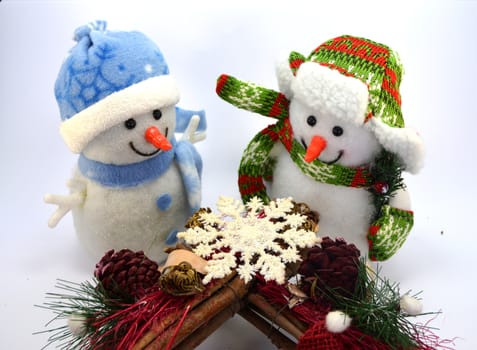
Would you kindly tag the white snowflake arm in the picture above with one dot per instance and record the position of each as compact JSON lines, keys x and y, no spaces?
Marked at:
{"x":66,"y":202}
{"x":278,"y":208}
{"x":191,"y":134}
{"x":255,"y":205}
{"x":272,"y":268}
{"x":197,"y":235}
{"x":219,"y":267}
{"x":231,"y":207}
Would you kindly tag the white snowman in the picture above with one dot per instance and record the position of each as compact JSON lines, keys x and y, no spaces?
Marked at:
{"x":339,"y":144}
{"x":135,"y":186}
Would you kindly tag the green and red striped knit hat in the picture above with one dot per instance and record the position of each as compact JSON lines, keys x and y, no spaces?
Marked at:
{"x":360,"y":79}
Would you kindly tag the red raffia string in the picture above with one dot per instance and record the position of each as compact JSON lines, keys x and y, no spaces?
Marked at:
{"x":308,"y":312}
{"x":313,"y":312}
{"x":135,"y":336}
{"x":179,"y":326}
{"x":132,"y":322}
{"x":428,"y":340}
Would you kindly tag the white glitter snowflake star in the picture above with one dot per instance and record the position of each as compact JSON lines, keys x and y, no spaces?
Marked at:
{"x":253,"y":238}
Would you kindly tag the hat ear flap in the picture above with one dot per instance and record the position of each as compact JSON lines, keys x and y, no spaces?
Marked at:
{"x":286,"y":69}
{"x":404,"y":142}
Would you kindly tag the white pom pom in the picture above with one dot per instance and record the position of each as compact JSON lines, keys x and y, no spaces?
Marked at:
{"x":77,"y":324}
{"x":337,"y":321}
{"x":410,"y":305}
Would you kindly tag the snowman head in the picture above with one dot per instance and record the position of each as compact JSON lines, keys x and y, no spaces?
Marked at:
{"x":136,"y":139}
{"x":345,"y":104}
{"x":326,"y":115}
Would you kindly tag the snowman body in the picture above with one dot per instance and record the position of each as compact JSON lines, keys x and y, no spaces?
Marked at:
{"x":344,"y":211}
{"x":116,"y":218}
{"x":134,"y":192}
{"x":326,"y":117}
{"x":137,"y":185}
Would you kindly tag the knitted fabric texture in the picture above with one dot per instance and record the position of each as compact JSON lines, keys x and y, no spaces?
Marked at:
{"x":257,"y":166}
{"x":379,"y":70}
{"x":374,"y":64}
{"x":389,"y":232}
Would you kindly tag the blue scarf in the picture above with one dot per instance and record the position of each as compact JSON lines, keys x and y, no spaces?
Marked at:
{"x":127,"y":175}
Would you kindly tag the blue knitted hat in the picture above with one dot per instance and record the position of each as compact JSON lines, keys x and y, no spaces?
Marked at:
{"x":108,"y":77}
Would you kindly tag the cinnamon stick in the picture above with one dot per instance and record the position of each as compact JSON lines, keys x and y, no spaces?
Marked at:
{"x":206,"y":329}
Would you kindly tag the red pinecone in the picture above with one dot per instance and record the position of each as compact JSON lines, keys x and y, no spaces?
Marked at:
{"x":333,"y":265}
{"x":125,"y":274}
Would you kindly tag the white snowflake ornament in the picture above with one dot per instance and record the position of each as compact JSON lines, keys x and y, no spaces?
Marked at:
{"x":250,"y":238}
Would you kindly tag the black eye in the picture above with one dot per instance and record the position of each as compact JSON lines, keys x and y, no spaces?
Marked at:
{"x":130,"y":124}
{"x":157,"y":114}
{"x":311,"y":120}
{"x":337,"y":131}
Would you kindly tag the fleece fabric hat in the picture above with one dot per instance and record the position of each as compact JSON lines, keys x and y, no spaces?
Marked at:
{"x":360,"y":80}
{"x":108,"y":77}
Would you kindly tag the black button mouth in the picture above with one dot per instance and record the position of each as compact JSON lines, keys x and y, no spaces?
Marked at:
{"x":145,"y":154}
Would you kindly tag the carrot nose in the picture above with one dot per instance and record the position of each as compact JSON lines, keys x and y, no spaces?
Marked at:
{"x":155,"y":137}
{"x":313,"y":151}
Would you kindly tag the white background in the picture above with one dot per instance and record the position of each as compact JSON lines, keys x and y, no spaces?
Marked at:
{"x":200,"y":40}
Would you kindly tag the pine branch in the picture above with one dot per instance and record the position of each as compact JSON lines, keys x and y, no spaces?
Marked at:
{"x":375,"y":309}
{"x":81,"y":302}
{"x":387,"y":174}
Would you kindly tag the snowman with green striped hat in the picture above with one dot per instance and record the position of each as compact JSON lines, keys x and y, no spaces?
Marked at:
{"x":339,"y":143}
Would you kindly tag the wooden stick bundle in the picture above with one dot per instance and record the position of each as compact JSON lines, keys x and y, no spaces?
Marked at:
{"x":221,"y":302}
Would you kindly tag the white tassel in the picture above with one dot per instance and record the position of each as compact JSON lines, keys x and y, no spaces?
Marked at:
{"x":77,"y":324}
{"x":337,"y":321}
{"x":410,"y":305}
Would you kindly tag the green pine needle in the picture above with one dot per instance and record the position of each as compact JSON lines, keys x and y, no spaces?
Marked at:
{"x":375,"y":309}
{"x":87,"y":301}
{"x":387,"y":170}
